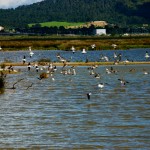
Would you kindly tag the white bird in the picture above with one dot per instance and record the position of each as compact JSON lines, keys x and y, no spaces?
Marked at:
{"x":73,"y":49}
{"x":30,"y":51}
{"x":105,"y":58}
{"x":83,"y":51}
{"x":92,"y":72}
{"x":147,"y":55}
{"x":93,"y":46}
{"x":53,"y":79}
{"x":145,"y":72}
{"x":115,"y":55}
{"x":126,"y":61}
{"x":114,"y":46}
{"x":61,"y":58}
{"x":108,"y":71}
{"x":73,"y":71}
{"x":97,"y":76}
{"x":89,"y":95}
{"x":101,"y":85}
{"x":0,"y":48}
{"x":123,"y":82}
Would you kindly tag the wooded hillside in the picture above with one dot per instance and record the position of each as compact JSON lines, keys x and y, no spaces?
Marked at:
{"x":121,"y":12}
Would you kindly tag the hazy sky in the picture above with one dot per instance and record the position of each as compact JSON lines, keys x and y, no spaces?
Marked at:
{"x":15,"y":3}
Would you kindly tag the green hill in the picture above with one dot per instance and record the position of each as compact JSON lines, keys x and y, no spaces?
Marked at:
{"x":121,"y":12}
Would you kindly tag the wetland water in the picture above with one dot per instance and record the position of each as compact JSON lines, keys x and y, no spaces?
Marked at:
{"x":56,"y":114}
{"x":17,"y":56}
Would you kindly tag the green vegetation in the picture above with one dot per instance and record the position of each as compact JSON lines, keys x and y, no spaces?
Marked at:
{"x":57,"y":24}
{"x":79,"y":42}
{"x":3,"y":66}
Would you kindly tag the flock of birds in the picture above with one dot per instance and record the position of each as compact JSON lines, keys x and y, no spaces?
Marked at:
{"x":46,"y":71}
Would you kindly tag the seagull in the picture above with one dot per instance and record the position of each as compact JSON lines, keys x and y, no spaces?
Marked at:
{"x":145,"y":72}
{"x":91,"y":69}
{"x":93,"y":46}
{"x":83,"y":51}
{"x":126,"y":61}
{"x":73,"y":70}
{"x":29,"y":66}
{"x":115,"y":55}
{"x":31,"y":53}
{"x":113,"y":70}
{"x":51,"y":68}
{"x":105,"y":58}
{"x":37,"y":68}
{"x":24,"y":59}
{"x":53,"y":79}
{"x":73,"y":49}
{"x":10,"y":68}
{"x":100,"y":85}
{"x":97,"y":75}
{"x":147,"y":55}
{"x":114,"y":46}
{"x":123,"y":82}
{"x":89,"y":95}
{"x":92,"y":72}
{"x":61,"y":58}
{"x":108,"y":71}
{"x":119,"y":56}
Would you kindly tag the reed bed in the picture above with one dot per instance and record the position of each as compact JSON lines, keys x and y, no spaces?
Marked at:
{"x":65,"y":43}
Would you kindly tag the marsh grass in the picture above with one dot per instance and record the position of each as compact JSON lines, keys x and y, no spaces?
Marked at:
{"x":66,"y":42}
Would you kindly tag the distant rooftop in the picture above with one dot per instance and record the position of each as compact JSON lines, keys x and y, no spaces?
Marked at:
{"x":98,"y":23}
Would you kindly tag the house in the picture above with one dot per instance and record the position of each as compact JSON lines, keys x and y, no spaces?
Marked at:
{"x":100,"y":32}
{"x":88,"y":24}
{"x":98,"y":23}
{"x":1,"y":28}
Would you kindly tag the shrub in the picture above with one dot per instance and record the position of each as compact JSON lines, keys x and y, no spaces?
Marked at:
{"x":3,"y":66}
{"x":44,"y":60}
{"x":2,"y":85}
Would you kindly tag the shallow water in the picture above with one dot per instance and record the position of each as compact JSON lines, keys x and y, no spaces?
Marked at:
{"x":17,"y":56}
{"x":57,"y":114}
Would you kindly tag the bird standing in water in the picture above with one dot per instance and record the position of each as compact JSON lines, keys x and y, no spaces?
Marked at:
{"x":29,"y":66}
{"x":147,"y":55}
{"x":123,"y":82}
{"x":89,"y":96}
{"x":24,"y":59}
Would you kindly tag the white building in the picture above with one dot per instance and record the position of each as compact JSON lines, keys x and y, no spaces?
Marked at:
{"x":100,"y":31}
{"x":1,"y":28}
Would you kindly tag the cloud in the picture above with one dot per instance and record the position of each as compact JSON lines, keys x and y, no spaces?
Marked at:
{"x":4,"y":4}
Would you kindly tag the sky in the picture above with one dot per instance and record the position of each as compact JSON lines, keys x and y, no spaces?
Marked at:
{"x":4,"y":4}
